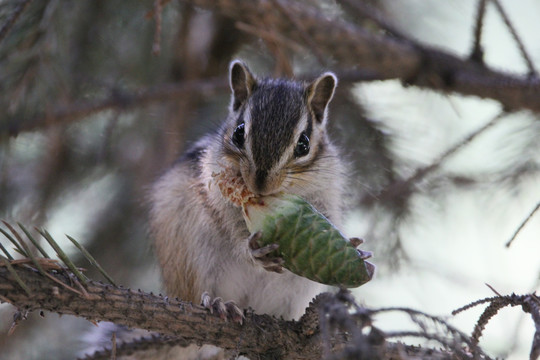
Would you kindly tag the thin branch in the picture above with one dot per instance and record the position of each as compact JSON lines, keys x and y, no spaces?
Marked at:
{"x":8,"y":25}
{"x":402,"y":188}
{"x":517,"y":39}
{"x":477,"y":53}
{"x":522,"y":225}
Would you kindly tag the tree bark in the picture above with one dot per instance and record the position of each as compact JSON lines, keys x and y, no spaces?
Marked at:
{"x":260,"y":336}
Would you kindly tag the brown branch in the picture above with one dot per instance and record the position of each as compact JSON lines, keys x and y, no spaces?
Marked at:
{"x":522,"y":225}
{"x":517,"y":39}
{"x":155,"y":313}
{"x":74,"y":112}
{"x":402,"y":188}
{"x":477,"y":53}
{"x":388,"y":57}
{"x":182,"y":323}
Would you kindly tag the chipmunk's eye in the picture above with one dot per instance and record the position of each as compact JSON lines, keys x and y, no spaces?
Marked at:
{"x":238,"y":136}
{"x":302,"y":146}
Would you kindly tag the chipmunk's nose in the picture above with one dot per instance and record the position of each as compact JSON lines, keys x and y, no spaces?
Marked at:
{"x":260,"y":182}
{"x":266,"y":182}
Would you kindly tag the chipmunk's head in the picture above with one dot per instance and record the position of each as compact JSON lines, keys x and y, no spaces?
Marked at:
{"x":275,"y":135}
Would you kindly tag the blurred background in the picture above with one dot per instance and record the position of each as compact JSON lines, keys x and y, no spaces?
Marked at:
{"x":99,"y":97}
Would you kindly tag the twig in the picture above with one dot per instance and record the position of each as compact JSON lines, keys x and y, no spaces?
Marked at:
{"x":522,"y":225}
{"x":517,"y":39}
{"x":493,"y":289}
{"x":8,"y":25}
{"x":402,"y":187}
{"x":477,"y":53}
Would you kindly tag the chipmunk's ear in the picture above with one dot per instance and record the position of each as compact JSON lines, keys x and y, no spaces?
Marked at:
{"x":242,"y":83}
{"x":319,"y":93}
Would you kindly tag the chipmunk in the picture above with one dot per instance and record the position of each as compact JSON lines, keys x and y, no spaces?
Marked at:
{"x":275,"y":138}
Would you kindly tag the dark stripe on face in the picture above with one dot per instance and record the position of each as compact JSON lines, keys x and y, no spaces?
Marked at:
{"x":275,"y":111}
{"x":260,"y":179}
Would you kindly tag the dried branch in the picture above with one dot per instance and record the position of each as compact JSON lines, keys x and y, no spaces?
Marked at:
{"x":522,"y":225}
{"x":477,"y":53}
{"x":403,"y":188}
{"x":529,"y":303}
{"x":517,"y":39}
{"x":388,"y":57}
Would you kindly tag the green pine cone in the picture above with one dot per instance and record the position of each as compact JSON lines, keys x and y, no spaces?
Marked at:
{"x":310,"y":245}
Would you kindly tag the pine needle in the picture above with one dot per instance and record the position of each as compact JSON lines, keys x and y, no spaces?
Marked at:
{"x":34,"y":241}
{"x":91,"y":259}
{"x":24,"y":247}
{"x":62,"y":255}
{"x":15,"y":275}
{"x":4,"y":250}
{"x":18,"y":248}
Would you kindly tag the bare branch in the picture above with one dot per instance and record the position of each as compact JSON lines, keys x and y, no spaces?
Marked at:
{"x":522,"y":225}
{"x":403,"y":188}
{"x":517,"y":39}
{"x":477,"y":53}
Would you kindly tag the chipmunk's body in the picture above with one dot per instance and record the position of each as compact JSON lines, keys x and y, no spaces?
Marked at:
{"x":275,"y":137}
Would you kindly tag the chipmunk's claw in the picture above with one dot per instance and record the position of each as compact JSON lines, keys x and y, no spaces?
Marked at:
{"x":225,"y":310}
{"x":262,"y":254}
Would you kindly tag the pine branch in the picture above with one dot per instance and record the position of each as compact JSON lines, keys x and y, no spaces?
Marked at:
{"x":182,"y":323}
{"x":388,"y":57}
{"x":152,"y":312}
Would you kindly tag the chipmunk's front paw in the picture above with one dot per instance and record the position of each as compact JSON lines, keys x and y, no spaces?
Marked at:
{"x":262,"y":254}
{"x":225,"y":310}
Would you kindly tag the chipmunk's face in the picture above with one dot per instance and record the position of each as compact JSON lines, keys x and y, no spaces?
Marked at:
{"x":275,"y":136}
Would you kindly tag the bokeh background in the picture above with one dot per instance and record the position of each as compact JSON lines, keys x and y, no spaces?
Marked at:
{"x":97,"y":101}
